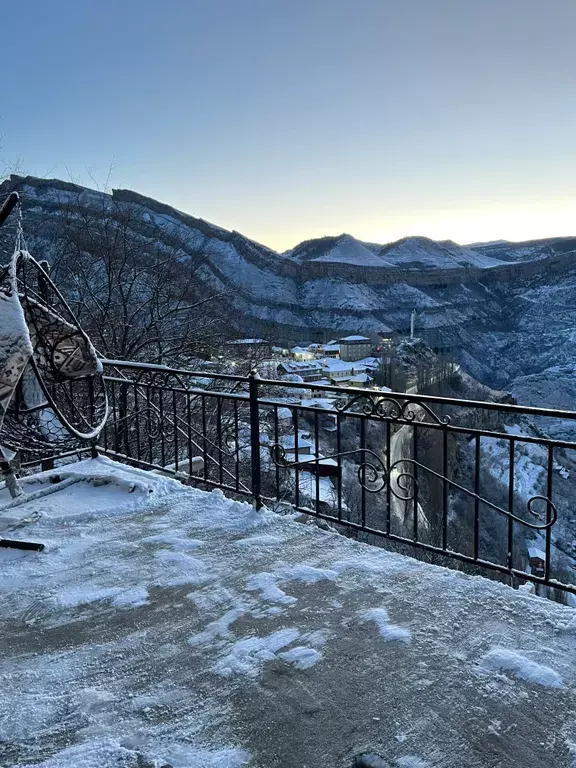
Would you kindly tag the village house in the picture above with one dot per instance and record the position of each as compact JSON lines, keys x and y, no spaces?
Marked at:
{"x":342,"y":373}
{"x":284,"y":416}
{"x":336,"y":370}
{"x":331,"y":350}
{"x":308,"y":370}
{"x":369,"y":363}
{"x":319,"y":350}
{"x":362,"y":380}
{"x":318,"y":393}
{"x":325,"y":420}
{"x":302,"y":353}
{"x":354,"y":348}
{"x":305,"y":445}
{"x":536,"y":561}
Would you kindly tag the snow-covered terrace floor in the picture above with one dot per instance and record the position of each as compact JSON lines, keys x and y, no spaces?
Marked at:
{"x":167,"y":626}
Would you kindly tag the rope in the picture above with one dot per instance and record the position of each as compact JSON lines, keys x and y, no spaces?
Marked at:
{"x":19,"y":232}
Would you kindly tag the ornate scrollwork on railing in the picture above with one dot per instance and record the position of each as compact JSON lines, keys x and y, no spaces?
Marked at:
{"x":152,"y":422}
{"x":391,"y":409}
{"x":371,"y":405}
{"x":408,"y":483}
{"x":372,"y":475}
{"x":410,"y":412}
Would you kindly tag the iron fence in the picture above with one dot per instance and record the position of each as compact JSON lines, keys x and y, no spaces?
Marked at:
{"x":485,"y":485}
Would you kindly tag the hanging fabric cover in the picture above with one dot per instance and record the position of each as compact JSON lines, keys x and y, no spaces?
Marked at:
{"x":15,"y":343}
{"x":51,"y":388}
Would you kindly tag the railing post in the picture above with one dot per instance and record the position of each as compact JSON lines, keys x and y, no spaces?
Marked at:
{"x":92,"y":406}
{"x":255,"y":438}
{"x":9,"y":204}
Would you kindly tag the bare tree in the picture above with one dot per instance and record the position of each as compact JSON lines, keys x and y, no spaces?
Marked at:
{"x":134,"y":287}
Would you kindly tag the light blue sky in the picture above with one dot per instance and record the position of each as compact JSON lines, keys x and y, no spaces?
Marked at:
{"x":291,"y":119}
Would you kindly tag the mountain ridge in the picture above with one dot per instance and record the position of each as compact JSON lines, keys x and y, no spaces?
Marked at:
{"x":317,"y":245}
{"x":489,"y":317}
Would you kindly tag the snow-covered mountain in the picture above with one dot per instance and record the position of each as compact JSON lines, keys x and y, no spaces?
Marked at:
{"x":507,"y":310}
{"x":529,"y":250}
{"x":343,"y":248}
{"x":410,"y":253}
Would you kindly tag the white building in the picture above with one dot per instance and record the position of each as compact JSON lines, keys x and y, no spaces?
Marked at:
{"x":331,"y":350}
{"x":359,"y":380}
{"x":370,"y":363}
{"x":308,"y":370}
{"x":305,"y":444}
{"x":344,"y":373}
{"x":284,"y":415}
{"x":302,"y":353}
{"x":335,"y":370}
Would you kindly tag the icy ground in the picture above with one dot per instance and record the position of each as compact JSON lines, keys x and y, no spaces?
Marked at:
{"x":164,"y":626}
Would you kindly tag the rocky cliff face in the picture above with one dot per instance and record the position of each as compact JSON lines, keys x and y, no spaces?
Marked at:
{"x":506,"y":309}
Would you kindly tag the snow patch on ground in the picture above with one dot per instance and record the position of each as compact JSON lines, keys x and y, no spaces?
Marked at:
{"x":266,"y":583}
{"x":409,"y":761}
{"x":301,"y":657}
{"x":248,"y":655}
{"x":236,"y":516}
{"x":388,"y":631}
{"x":131,"y":598}
{"x":102,"y":487}
{"x":263,"y":539}
{"x":211,"y":597}
{"x":306,"y":574}
{"x":163,"y":692}
{"x":218,"y":629}
{"x":504,"y":660}
{"x":75,"y":596}
{"x":569,"y":627}
{"x":176,"y":539}
{"x":111,"y":754}
{"x":370,"y":760}
{"x":180,"y":568}
{"x":370,"y":565}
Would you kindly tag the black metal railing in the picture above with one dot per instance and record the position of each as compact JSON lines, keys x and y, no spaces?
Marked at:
{"x":485,"y":485}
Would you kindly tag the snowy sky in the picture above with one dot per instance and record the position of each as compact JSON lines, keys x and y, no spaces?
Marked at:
{"x":290,"y":119}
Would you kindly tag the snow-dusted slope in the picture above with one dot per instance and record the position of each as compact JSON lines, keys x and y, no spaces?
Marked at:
{"x":409,"y":253}
{"x":528,"y":250}
{"x":343,"y":248}
{"x":423,"y":253}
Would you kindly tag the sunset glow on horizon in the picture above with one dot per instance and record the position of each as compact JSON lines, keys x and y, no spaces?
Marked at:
{"x":292,"y":120}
